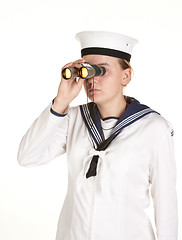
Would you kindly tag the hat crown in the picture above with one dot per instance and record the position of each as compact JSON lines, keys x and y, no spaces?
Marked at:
{"x":109,"y":40}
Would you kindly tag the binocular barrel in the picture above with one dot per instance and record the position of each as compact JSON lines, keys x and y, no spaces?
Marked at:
{"x":86,"y":71}
{"x":68,"y":73}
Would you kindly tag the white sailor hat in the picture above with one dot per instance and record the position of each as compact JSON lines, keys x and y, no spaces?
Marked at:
{"x":106,"y":43}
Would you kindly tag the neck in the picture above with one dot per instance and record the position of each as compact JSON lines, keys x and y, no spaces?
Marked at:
{"x":112,"y":109}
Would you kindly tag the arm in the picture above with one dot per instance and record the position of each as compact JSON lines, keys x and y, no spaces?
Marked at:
{"x":163,"y":189}
{"x":45,"y":139}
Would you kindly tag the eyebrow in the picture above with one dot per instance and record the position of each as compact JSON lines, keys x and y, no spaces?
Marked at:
{"x":103,"y":64}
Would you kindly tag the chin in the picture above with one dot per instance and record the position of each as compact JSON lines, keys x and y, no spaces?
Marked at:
{"x":97,"y":99}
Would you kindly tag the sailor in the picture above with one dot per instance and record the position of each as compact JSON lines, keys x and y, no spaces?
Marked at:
{"x":117,"y":150}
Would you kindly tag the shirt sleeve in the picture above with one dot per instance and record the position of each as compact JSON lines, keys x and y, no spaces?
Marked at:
{"x":163,"y":189}
{"x":56,"y":113}
{"x":45,"y":139}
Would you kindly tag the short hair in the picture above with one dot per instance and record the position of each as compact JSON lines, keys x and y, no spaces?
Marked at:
{"x":125,"y":64}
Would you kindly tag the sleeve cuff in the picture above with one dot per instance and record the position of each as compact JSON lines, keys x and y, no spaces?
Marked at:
{"x":56,"y":113}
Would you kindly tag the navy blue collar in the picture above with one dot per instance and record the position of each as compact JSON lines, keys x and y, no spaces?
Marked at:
{"x":91,"y":116}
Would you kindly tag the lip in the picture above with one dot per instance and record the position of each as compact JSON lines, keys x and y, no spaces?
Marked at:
{"x":94,"y":90}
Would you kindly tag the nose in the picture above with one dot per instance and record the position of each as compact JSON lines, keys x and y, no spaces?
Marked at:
{"x":92,"y":82}
{"x":94,"y":79}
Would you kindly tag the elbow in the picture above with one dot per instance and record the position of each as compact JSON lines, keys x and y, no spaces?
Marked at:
{"x":22,"y":161}
{"x":30,"y":159}
{"x":25,"y":160}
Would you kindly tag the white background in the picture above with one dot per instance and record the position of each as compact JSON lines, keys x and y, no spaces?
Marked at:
{"x":37,"y":38}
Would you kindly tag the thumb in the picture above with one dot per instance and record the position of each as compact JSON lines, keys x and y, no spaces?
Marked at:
{"x":80,"y":82}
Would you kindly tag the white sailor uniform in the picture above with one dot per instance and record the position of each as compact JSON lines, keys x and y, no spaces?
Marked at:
{"x":112,"y":203}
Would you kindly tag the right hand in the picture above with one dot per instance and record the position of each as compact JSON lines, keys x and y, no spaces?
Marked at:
{"x":69,"y":89}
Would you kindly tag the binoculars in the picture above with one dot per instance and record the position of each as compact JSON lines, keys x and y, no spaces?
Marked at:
{"x":86,"y":71}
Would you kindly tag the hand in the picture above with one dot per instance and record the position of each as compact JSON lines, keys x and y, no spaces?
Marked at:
{"x":69,"y":89}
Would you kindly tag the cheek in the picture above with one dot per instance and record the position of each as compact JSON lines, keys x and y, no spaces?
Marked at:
{"x":113,"y":80}
{"x":113,"y":73}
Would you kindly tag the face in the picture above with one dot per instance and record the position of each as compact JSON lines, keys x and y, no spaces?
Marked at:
{"x":109,"y":87}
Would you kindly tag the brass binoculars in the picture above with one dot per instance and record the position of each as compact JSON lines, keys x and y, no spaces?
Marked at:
{"x":86,"y":71}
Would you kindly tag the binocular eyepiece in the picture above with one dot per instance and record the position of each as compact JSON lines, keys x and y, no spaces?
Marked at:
{"x":86,"y":71}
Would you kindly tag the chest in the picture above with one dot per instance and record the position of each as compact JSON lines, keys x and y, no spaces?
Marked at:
{"x":126,"y":158}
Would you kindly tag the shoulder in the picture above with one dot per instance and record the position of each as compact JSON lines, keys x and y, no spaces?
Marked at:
{"x":158,"y":125}
{"x":86,"y":108}
{"x":74,"y":115}
{"x":73,"y":111}
{"x":159,"y":121}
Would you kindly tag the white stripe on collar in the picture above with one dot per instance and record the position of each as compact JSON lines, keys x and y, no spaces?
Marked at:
{"x":91,"y":117}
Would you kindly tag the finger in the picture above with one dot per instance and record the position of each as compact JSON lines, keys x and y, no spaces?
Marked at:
{"x":79,"y":60}
{"x":80,"y":82}
{"x":75,"y":62}
{"x":67,"y":65}
{"x":77,"y":65}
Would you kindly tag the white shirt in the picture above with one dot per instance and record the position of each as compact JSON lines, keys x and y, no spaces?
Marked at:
{"x":107,"y":126}
{"x":111,"y":205}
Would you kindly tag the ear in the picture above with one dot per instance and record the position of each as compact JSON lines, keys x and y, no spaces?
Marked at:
{"x":126,"y":76}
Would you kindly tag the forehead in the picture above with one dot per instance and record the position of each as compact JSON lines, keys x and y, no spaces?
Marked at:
{"x":98,"y":59}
